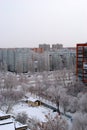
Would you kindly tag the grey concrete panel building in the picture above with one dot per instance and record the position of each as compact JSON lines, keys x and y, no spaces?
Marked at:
{"x":22,"y":60}
{"x":57,"y":46}
{"x":46,"y":47}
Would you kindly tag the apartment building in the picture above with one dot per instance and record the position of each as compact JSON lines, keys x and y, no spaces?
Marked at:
{"x":57,"y":46}
{"x":81,"y":61}
{"x":35,"y":60}
{"x":23,"y":60}
{"x":45,"y":47}
{"x":63,"y":58}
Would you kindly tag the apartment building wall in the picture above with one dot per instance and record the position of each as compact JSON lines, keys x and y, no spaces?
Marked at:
{"x":57,"y":46}
{"x":45,"y":47}
{"x":4,"y":61}
{"x":62,"y":58}
{"x":38,"y":50}
{"x":81,"y":61}
{"x":25,"y":59}
{"x":0,"y":54}
{"x":11,"y":59}
{"x":21,"y":59}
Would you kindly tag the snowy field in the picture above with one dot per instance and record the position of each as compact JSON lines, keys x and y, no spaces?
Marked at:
{"x":38,"y":112}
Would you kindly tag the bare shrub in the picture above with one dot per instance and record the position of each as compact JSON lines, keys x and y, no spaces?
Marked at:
{"x":54,"y":123}
{"x":22,"y":118}
{"x":8,"y":99}
{"x":79,"y":122}
{"x":73,"y":104}
{"x":75,"y":87}
{"x":83,"y":103}
{"x":33,"y":124}
{"x":10,"y":81}
{"x":64,"y":102}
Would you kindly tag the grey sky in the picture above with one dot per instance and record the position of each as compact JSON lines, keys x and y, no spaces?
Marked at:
{"x":27,"y":23}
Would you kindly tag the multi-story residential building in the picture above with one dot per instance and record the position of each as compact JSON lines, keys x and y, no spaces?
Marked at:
{"x":57,"y":46}
{"x":22,"y":59}
{"x":0,"y":54}
{"x":81,"y":61}
{"x":45,"y":47}
{"x":62,"y":58}
{"x":11,"y":59}
{"x":38,"y":50}
{"x":25,"y":59}
{"x":40,"y":61}
{"x":0,"y":59}
{"x":4,"y":60}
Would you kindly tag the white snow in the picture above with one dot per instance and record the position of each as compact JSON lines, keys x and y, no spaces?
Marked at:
{"x":6,"y":121}
{"x":18,"y":125}
{"x":7,"y":124}
{"x":32,"y":99}
{"x":7,"y":127}
{"x":10,"y":124}
{"x":1,"y":113}
{"x":32,"y":112}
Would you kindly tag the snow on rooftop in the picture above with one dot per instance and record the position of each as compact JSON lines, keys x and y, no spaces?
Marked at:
{"x":9,"y":120}
{"x":7,"y":127}
{"x":17,"y":124}
{"x":9,"y":124}
{"x":32,"y":99}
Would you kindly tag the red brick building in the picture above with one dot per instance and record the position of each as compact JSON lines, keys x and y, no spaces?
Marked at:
{"x":81,"y":61}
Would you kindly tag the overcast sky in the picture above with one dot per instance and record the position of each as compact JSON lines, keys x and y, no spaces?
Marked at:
{"x":28,"y":23}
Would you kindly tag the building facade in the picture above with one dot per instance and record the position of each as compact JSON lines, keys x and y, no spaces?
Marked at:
{"x":57,"y":46}
{"x":22,"y":60}
{"x":63,"y":58}
{"x":45,"y":47}
{"x":81,"y":61}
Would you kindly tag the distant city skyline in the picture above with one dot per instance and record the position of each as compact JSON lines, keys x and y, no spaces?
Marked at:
{"x":28,"y":23}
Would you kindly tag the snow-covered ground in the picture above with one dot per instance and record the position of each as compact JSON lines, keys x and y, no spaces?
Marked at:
{"x":38,"y":112}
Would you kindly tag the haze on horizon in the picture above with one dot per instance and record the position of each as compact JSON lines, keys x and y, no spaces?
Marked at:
{"x":28,"y":23}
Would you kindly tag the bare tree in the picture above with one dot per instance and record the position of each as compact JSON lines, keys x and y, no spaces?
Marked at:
{"x":75,"y":87}
{"x":82,"y":102}
{"x":8,"y":99}
{"x":54,"y":123}
{"x":10,"y":81}
{"x":64,"y":100}
{"x":33,"y":124}
{"x":22,"y":117}
{"x":73,"y":104}
{"x":79,"y":122}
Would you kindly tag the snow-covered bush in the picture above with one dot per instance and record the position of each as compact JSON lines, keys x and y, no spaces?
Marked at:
{"x":83,"y":103}
{"x":73,"y":104}
{"x":22,"y":117}
{"x":64,"y":102}
{"x":54,"y":123}
{"x":79,"y":122}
